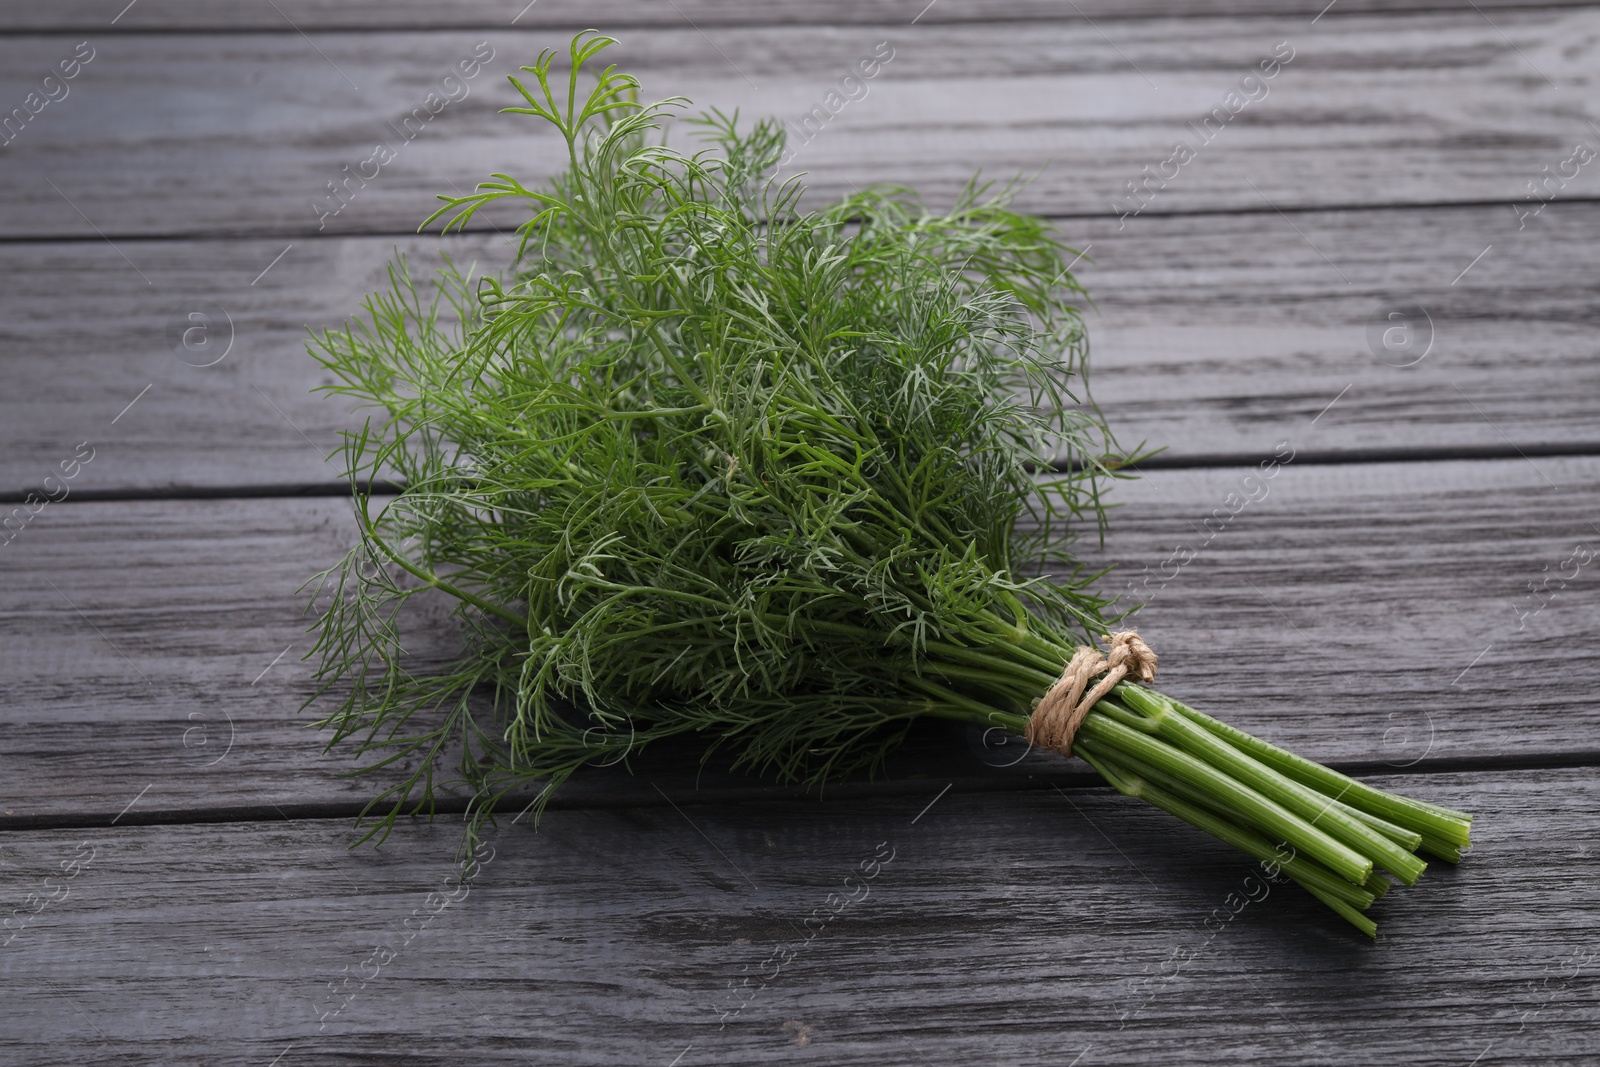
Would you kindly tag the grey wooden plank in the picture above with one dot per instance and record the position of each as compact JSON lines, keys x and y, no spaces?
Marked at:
{"x":191,"y":15}
{"x":1024,"y":929}
{"x":1211,"y":335}
{"x":1374,"y":614}
{"x":167,"y":134}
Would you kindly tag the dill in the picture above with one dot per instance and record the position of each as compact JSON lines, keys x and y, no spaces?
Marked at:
{"x":700,"y":462}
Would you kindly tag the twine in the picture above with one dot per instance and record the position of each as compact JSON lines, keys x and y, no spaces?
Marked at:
{"x":1059,"y":713}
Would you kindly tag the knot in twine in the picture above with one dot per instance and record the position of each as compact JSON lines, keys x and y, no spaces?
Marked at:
{"x":1059,"y":713}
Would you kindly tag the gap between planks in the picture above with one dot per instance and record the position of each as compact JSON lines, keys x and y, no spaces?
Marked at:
{"x":1307,"y":458}
{"x":482,"y":228}
{"x":647,"y":795}
{"x":618,"y":16}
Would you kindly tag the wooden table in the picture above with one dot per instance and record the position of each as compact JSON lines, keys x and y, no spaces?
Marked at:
{"x":1413,"y":597}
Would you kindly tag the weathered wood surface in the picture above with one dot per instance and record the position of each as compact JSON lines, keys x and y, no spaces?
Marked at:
{"x":1433,"y":617}
{"x":1213,"y":335}
{"x":1370,"y":614}
{"x":181,"y":15}
{"x":169,"y":134}
{"x":1002,"y":930}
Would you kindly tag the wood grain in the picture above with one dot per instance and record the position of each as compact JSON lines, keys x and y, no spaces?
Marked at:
{"x":240,"y":133}
{"x":1213,"y":335}
{"x":1426,"y":617}
{"x":1374,"y":614}
{"x":1029,"y":929}
{"x":194,"y":15}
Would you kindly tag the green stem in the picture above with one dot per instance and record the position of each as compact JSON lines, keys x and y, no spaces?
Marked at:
{"x":979,"y":675}
{"x":965,"y":708}
{"x":1309,"y":804}
{"x":1313,"y":878}
{"x":1400,"y":835}
{"x":430,"y":578}
{"x":1346,"y":912}
{"x":1249,"y":803}
{"x":1033,"y":677}
{"x":1132,"y":779}
{"x":1429,"y":819}
{"x":1443,"y":849}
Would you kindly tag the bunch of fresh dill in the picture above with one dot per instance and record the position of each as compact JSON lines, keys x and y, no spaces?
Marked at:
{"x":703,"y":463}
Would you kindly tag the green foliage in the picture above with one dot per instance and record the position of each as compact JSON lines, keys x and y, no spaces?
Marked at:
{"x":701,"y":461}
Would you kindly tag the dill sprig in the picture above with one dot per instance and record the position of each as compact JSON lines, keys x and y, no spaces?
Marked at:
{"x":701,"y":462}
